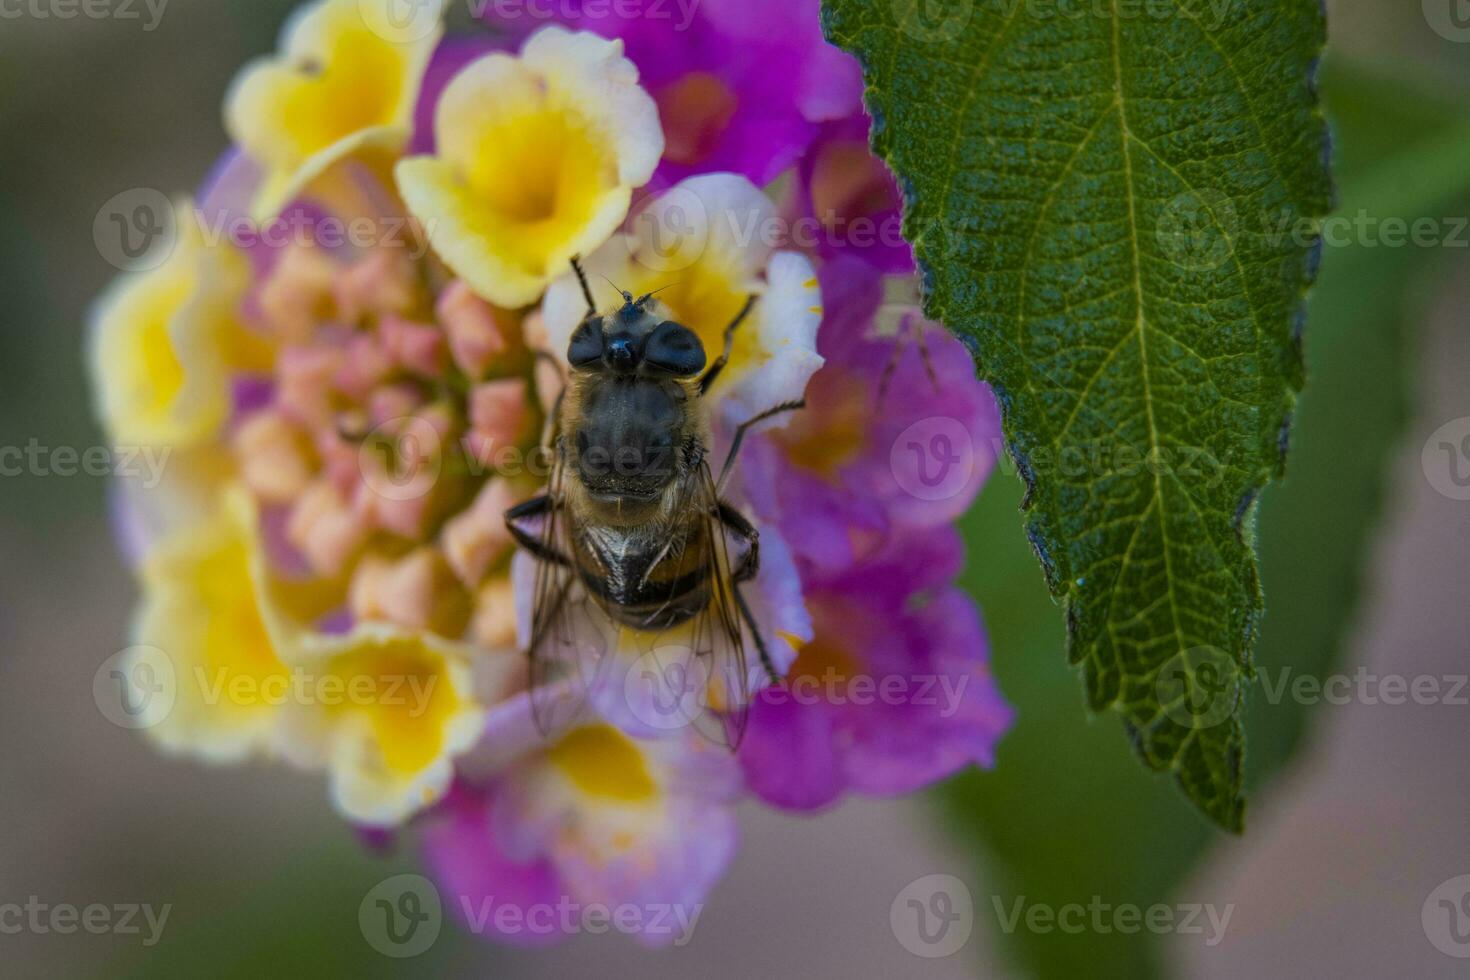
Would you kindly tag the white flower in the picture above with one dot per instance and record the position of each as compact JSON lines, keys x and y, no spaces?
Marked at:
{"x":703,"y":246}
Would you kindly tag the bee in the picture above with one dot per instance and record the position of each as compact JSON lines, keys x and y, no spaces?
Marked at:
{"x":632,"y":532}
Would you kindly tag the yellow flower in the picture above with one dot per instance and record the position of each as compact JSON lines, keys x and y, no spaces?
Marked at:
{"x":537,"y":160}
{"x":383,"y":710}
{"x":202,"y":631}
{"x":164,"y":341}
{"x":345,"y":79}
{"x":386,"y":713}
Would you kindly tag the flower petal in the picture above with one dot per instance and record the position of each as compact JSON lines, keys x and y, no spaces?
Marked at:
{"x":537,"y":160}
{"x":391,"y":710}
{"x":601,"y":818}
{"x":201,"y":610}
{"x":469,"y":863}
{"x":705,"y":247}
{"x":784,"y":323}
{"x":163,"y":342}
{"x":346,"y":77}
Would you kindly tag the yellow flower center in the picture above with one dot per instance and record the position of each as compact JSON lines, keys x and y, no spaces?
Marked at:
{"x":543,"y":171}
{"x":357,"y":85}
{"x":601,"y":761}
{"x":406,"y":695}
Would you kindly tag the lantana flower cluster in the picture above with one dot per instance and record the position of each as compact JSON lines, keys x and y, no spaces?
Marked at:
{"x":327,"y":576}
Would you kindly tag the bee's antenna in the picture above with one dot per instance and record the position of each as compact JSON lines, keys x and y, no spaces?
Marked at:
{"x":627,"y":296}
{"x":648,"y":296}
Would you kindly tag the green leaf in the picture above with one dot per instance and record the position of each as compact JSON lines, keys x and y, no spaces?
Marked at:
{"x":1066,"y":813}
{"x":1115,"y":211}
{"x":1065,"y":816}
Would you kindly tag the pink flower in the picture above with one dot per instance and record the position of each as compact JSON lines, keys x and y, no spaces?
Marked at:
{"x":741,"y":86}
{"x":854,"y":469}
{"x":894,"y":691}
{"x":641,"y":828}
{"x":845,"y":201}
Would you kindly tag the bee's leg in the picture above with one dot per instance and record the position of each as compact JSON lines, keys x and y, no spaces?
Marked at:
{"x":586,"y":289}
{"x":767,"y":663}
{"x":714,"y":369}
{"x":740,"y":437}
{"x":535,"y":507}
{"x":745,"y":531}
{"x":749,"y":566}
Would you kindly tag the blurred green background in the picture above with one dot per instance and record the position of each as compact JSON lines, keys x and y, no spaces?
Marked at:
{"x":1357,"y":809}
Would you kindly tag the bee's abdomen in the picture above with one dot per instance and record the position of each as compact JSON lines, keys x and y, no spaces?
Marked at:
{"x":644,"y":582}
{"x":661,"y":612}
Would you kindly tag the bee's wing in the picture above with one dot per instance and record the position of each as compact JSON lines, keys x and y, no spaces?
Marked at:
{"x":569,"y":636}
{"x":718,"y":630}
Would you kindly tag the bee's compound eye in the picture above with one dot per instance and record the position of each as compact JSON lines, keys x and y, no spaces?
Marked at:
{"x":586,"y":345}
{"x":674,"y":348}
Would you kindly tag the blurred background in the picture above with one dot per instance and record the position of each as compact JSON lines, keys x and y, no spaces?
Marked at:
{"x":1358,"y":808}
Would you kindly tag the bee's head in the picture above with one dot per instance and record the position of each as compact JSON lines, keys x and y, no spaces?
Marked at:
{"x":635,"y":339}
{"x":634,"y":399}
